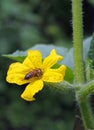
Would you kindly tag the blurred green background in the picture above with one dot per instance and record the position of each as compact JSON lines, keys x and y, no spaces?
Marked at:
{"x":23,"y":24}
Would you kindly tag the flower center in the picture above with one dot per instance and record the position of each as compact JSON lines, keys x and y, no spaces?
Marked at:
{"x":34,"y":73}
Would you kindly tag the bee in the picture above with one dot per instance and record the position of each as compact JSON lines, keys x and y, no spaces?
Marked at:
{"x":34,"y":73}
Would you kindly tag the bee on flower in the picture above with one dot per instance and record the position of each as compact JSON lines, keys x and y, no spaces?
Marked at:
{"x":34,"y":71}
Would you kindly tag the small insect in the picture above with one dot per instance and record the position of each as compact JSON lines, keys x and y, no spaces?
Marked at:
{"x":34,"y":73}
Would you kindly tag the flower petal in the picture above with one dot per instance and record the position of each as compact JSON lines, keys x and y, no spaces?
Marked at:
{"x":31,"y":90}
{"x":54,"y":75}
{"x":16,"y":73}
{"x":34,"y":59}
{"x":52,"y":59}
{"x":61,"y":69}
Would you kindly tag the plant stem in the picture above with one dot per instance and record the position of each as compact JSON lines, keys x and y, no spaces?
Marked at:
{"x":78,"y":40}
{"x":62,"y":86}
{"x":86,"y":90}
{"x":84,"y":105}
{"x":78,"y":61}
{"x":86,"y":114}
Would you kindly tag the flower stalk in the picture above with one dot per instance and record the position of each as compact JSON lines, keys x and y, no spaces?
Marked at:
{"x":77,"y":20}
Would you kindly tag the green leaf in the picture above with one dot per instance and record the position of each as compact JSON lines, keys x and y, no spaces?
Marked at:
{"x":90,"y":61}
{"x":69,"y":76}
{"x":17,"y":56}
{"x":91,"y":52}
{"x":45,"y":49}
{"x":65,"y":51}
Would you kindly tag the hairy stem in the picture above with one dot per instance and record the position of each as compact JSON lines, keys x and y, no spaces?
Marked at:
{"x":86,"y":90}
{"x":86,"y":114}
{"x":78,"y":62}
{"x":78,"y":40}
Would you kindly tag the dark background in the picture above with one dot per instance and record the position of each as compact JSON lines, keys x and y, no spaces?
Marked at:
{"x":25,"y":23}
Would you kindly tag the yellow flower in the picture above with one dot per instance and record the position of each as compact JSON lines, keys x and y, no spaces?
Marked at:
{"x":34,"y":71}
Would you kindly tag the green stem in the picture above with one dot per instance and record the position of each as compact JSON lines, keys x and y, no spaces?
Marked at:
{"x":62,"y":86}
{"x":78,"y":40}
{"x":86,"y":115}
{"x":78,"y":61}
{"x":86,"y":90}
